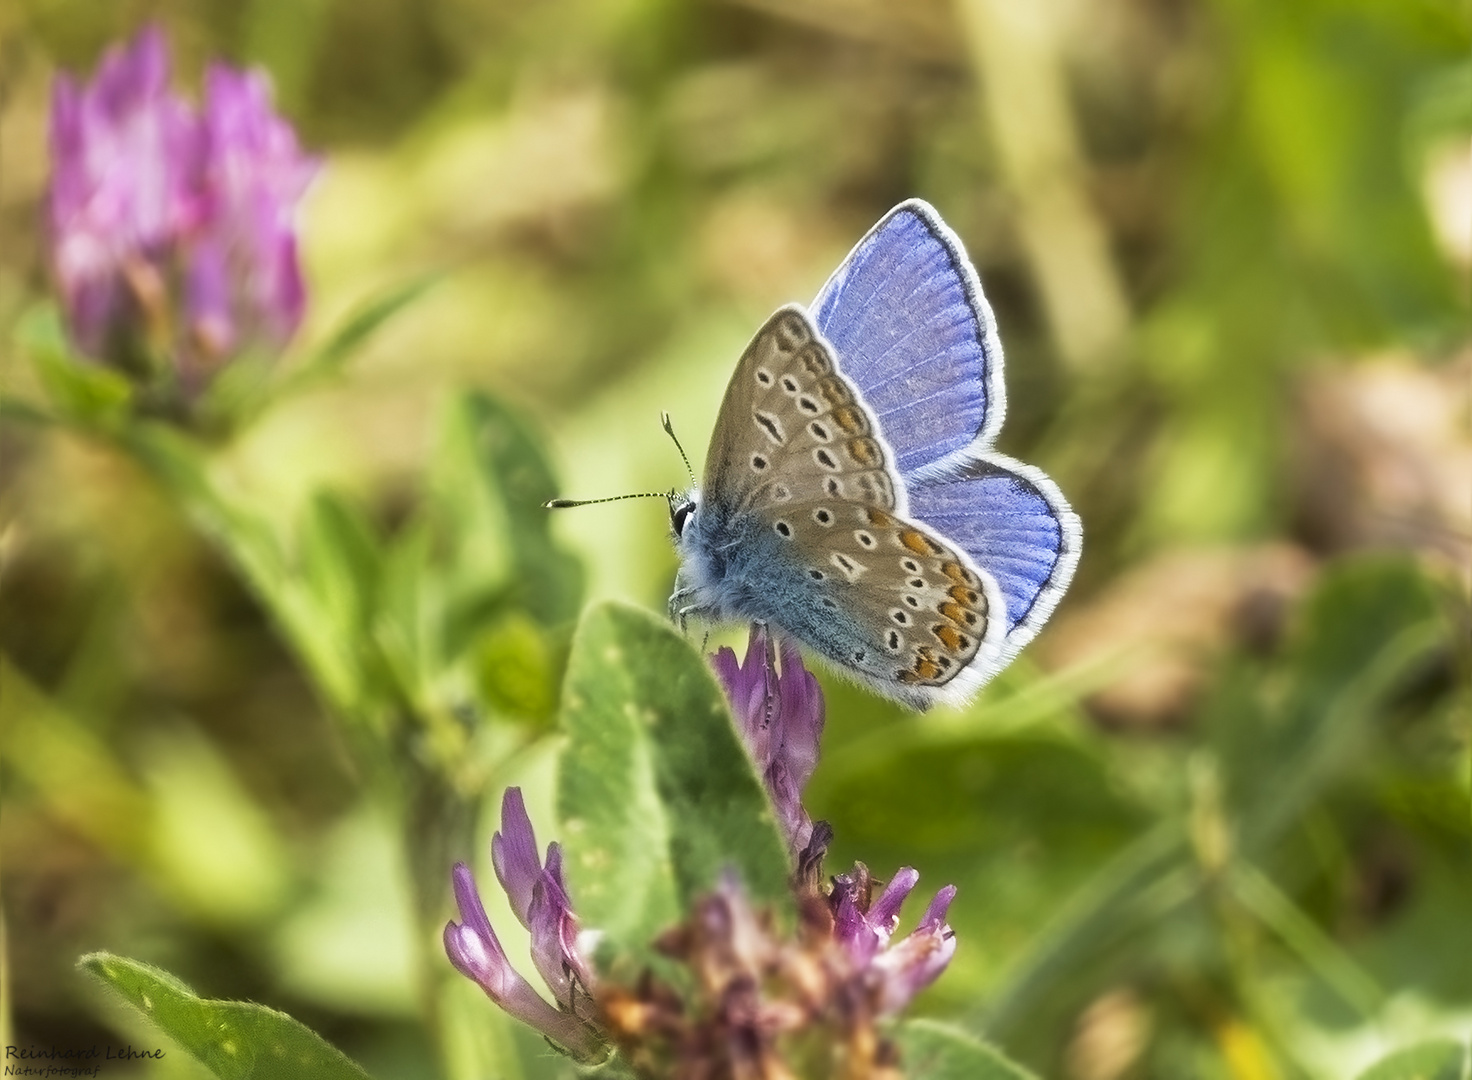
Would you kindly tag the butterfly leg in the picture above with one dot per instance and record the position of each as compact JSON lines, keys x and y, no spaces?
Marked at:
{"x":680,"y":612}
{"x":684,"y":613}
{"x":674,"y":606}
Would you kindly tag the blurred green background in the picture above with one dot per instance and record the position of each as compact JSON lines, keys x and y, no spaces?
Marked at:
{"x":1213,"y":823}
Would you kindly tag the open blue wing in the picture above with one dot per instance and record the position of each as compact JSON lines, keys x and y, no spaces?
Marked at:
{"x":911,"y":328}
{"x":1015,"y":524}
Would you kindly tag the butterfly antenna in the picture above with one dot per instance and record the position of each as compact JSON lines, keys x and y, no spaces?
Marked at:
{"x":669,"y":429}
{"x":564,"y":504}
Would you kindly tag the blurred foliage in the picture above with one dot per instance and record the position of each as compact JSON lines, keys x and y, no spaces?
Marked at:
{"x":1213,"y":823}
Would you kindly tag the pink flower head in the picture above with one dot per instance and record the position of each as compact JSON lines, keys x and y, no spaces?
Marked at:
{"x":540,"y":900}
{"x":780,"y":716}
{"x":126,"y":157}
{"x":244,"y":278}
{"x":539,"y":897}
{"x":894,"y":974}
{"x":168,"y":227}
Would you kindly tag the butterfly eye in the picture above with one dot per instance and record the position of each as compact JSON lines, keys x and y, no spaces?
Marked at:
{"x":680,"y":515}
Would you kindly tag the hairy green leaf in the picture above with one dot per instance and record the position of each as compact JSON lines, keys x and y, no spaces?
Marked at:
{"x":656,"y":795}
{"x":235,"y":1040}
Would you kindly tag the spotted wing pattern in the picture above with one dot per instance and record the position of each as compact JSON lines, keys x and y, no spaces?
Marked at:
{"x":902,"y":606}
{"x":792,"y":428}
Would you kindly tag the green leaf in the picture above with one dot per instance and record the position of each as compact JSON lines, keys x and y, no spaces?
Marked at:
{"x":655,"y":794}
{"x":81,"y":390}
{"x":1438,"y":1059}
{"x":937,"y":1051}
{"x":358,"y":328}
{"x":341,"y":561}
{"x":235,"y":1040}
{"x":518,"y":667}
{"x":491,"y":479}
{"x":240,"y":390}
{"x":405,"y":607}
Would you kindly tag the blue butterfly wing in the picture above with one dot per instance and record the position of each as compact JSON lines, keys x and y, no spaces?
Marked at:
{"x":906,"y":315}
{"x":1016,"y":526}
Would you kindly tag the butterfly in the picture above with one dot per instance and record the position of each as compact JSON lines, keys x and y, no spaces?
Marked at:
{"x":852,"y":498}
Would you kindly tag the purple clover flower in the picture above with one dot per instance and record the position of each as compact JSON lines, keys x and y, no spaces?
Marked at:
{"x":126,"y":160}
{"x":894,"y":975}
{"x":780,"y":716}
{"x":750,"y":988}
{"x":244,"y":278}
{"x":173,"y":232}
{"x":539,"y":898}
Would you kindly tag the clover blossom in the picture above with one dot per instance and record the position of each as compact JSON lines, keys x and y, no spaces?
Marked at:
{"x":539,"y":897}
{"x":891,"y":975}
{"x":779,"y":715}
{"x":126,"y":163}
{"x":245,"y":280}
{"x":753,"y":999}
{"x":171,"y":232}
{"x":759,"y":995}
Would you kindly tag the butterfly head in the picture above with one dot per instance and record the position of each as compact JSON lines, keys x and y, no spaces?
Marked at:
{"x":683,"y":506}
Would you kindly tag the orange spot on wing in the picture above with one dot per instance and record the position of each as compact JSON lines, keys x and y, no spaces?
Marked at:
{"x":949,"y":636}
{"x":833,"y":391}
{"x":865,"y":452}
{"x":916,"y":542}
{"x":926,"y":669}
{"x":879,"y":518}
{"x":955,"y":612}
{"x":850,"y":419}
{"x":958,"y":573}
